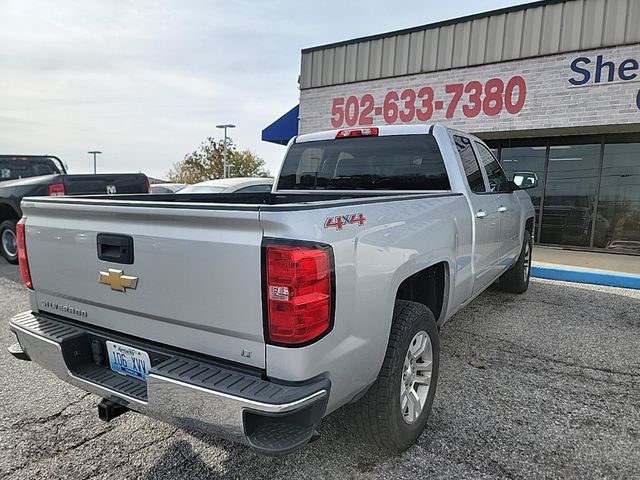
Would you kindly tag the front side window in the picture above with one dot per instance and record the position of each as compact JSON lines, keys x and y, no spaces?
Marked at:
{"x":469,"y":163}
{"x":497,"y":179}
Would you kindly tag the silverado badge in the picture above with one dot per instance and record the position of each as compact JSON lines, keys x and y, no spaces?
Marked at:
{"x":117,"y":281}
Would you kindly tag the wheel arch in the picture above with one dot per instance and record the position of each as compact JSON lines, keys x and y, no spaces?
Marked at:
{"x":8,"y":212}
{"x":428,"y":286}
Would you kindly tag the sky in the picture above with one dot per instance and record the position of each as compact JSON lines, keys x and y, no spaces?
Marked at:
{"x":146,"y":81}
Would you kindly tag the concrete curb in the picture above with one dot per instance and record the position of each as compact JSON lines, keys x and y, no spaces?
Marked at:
{"x":584,"y":275}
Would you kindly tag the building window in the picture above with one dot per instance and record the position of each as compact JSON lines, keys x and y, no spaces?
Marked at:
{"x":618,"y":219}
{"x":592,"y":194}
{"x":570,"y":195}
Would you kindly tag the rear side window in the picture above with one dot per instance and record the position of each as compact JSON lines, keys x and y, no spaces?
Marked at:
{"x":470,"y":163}
{"x":13,"y":168}
{"x":399,"y":162}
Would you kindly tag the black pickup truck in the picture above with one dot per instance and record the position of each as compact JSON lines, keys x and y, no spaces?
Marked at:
{"x":37,"y":175}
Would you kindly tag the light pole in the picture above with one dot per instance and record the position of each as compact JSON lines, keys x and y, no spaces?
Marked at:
{"x":94,"y":153}
{"x":224,"y":148}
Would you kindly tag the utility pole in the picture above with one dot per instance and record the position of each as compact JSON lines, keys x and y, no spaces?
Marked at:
{"x":225,"y":168}
{"x":94,"y":153}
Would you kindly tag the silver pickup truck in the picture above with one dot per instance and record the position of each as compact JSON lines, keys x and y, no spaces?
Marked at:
{"x":252,"y":316}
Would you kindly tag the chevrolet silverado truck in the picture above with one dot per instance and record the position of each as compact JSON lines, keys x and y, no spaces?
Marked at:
{"x":252,"y":316}
{"x":35,"y":175}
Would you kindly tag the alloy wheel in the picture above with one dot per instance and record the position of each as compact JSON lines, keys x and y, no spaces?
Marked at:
{"x":416,"y":377}
{"x":9,"y":243}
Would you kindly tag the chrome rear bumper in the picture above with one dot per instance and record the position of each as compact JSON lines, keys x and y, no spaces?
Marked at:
{"x":194,"y":394}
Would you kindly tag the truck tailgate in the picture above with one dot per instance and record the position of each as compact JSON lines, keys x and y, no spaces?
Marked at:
{"x":198,"y":273}
{"x":101,"y":183}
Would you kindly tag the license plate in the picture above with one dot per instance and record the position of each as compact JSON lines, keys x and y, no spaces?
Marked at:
{"x":128,"y":360}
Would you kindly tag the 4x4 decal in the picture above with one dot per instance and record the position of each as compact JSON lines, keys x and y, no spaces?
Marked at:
{"x":339,"y":221}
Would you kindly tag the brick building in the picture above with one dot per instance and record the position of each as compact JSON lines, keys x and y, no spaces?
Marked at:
{"x":552,"y":86}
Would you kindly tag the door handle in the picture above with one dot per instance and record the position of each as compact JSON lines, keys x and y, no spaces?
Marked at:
{"x":481,"y":214}
{"x":502,"y":209}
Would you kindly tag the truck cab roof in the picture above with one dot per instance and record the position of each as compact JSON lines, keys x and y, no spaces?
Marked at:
{"x":382,"y":130}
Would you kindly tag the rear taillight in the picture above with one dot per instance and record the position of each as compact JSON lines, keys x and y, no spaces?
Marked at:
{"x":358,"y":132}
{"x":299,"y":293}
{"x":22,"y":253}
{"x":148,"y":184}
{"x":57,"y":190}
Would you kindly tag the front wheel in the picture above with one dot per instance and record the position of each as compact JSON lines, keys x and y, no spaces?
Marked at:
{"x":8,"y":241}
{"x":516,"y":279}
{"x":394,"y":411}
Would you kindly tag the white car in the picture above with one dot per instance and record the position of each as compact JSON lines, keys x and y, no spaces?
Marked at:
{"x":231,"y":185}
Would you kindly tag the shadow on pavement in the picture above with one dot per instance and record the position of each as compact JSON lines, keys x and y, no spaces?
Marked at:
{"x":538,"y":385}
{"x":337,"y":446}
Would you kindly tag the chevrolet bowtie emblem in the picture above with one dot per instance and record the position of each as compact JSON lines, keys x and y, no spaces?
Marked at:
{"x":117,"y":281}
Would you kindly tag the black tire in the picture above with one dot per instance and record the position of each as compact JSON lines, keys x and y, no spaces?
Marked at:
{"x":8,"y":228}
{"x":516,"y":279}
{"x":378,"y":416}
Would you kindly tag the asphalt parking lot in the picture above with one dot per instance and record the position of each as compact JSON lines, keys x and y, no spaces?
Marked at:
{"x":544,"y":385}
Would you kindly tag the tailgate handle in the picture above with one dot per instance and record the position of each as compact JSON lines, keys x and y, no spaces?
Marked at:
{"x":115,"y":248}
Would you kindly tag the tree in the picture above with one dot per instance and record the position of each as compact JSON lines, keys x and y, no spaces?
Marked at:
{"x":206,"y":163}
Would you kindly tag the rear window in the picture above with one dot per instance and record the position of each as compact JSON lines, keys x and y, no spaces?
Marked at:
{"x":399,"y":162}
{"x":13,"y":168}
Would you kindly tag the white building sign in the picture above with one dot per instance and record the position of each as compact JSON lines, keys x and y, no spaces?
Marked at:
{"x":595,"y":87}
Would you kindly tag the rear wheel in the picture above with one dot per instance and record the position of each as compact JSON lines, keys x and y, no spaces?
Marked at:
{"x":394,"y":411}
{"x":516,"y":279}
{"x":8,"y":241}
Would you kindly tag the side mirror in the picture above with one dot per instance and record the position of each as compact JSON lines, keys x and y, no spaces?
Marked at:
{"x":525,"y":180}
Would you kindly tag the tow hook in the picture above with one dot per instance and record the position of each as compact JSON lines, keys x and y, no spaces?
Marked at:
{"x":108,"y":410}
{"x":17,"y":351}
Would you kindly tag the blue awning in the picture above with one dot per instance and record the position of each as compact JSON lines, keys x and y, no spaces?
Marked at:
{"x":283,"y":129}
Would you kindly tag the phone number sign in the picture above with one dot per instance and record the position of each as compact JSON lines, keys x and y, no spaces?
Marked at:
{"x":569,"y":90}
{"x":469,"y":100}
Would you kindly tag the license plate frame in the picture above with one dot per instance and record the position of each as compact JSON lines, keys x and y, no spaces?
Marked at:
{"x":129,"y":361}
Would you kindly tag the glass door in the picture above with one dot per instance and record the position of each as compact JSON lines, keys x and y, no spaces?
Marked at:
{"x":570,"y":194}
{"x":618,"y":219}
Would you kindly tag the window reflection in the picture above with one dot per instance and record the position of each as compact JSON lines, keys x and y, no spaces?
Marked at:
{"x":569,"y":209}
{"x":569,"y":203}
{"x":619,"y":200}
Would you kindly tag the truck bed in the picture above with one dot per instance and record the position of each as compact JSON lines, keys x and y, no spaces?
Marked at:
{"x":196,"y":258}
{"x":249,"y":201}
